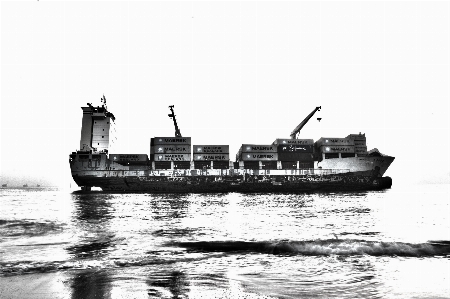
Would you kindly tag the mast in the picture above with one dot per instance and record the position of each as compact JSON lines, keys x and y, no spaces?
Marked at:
{"x":172,"y":115}
{"x":303,"y":123}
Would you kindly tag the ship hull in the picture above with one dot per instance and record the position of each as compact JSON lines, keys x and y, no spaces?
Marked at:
{"x":358,"y":165}
{"x":220,"y":184}
{"x":100,"y":171}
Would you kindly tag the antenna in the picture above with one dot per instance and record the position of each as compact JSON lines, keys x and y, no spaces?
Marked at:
{"x":104,"y":101}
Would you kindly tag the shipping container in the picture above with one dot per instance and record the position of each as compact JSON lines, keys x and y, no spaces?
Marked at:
{"x":170,"y":149}
{"x":288,"y":164}
{"x":269,"y":165}
{"x":360,"y":149}
{"x":259,"y":156}
{"x":171,"y":157}
{"x":279,"y":141}
{"x":337,"y":149}
{"x":211,"y":157}
{"x":128,"y":157}
{"x":221,"y":165}
{"x":335,"y":141}
{"x":251,"y":165}
{"x":302,"y":157}
{"x":202,"y":164}
{"x":170,"y":140}
{"x":162,"y":165}
{"x":295,"y":148}
{"x":357,"y":136}
{"x":181,"y":165}
{"x":258,"y":148}
{"x":211,"y":149}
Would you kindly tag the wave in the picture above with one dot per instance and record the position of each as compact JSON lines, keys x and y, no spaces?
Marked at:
{"x":28,"y":267}
{"x":348,"y":247}
{"x":326,"y":247}
{"x":16,"y":228}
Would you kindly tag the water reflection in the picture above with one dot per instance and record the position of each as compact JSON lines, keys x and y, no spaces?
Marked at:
{"x":294,"y":201}
{"x":92,"y":216}
{"x":91,"y":284}
{"x":174,"y":281}
{"x":169,"y":206}
{"x":92,"y":208}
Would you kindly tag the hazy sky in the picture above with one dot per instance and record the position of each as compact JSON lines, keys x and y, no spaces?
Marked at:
{"x":237,"y":72}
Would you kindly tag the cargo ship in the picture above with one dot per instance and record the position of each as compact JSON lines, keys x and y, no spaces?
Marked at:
{"x":175,"y":165}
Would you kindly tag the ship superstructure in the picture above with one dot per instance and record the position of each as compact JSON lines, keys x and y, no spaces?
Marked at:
{"x":95,"y":128}
{"x":174,"y":164}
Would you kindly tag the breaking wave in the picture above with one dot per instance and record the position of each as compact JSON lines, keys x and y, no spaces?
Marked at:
{"x":330,"y":247}
{"x":327,"y":247}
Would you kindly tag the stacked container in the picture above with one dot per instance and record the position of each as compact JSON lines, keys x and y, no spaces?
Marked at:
{"x":257,"y":152}
{"x":360,"y":143}
{"x":171,"y":149}
{"x":291,"y":151}
{"x":334,"y":147}
{"x":253,"y":154}
{"x":219,"y":155}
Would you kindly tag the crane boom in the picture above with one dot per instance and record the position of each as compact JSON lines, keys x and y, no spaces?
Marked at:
{"x":303,"y":123}
{"x":172,"y":115}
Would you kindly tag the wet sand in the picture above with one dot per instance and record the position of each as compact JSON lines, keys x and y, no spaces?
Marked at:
{"x":97,"y":283}
{"x":36,"y":286}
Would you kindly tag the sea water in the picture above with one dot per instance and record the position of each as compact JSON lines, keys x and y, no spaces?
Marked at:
{"x":378,"y":244}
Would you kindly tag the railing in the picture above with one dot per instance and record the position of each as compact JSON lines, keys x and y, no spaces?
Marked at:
{"x":330,"y":171}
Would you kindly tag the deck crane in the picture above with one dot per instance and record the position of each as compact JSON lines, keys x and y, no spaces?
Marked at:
{"x":172,"y":115}
{"x":303,"y":123}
